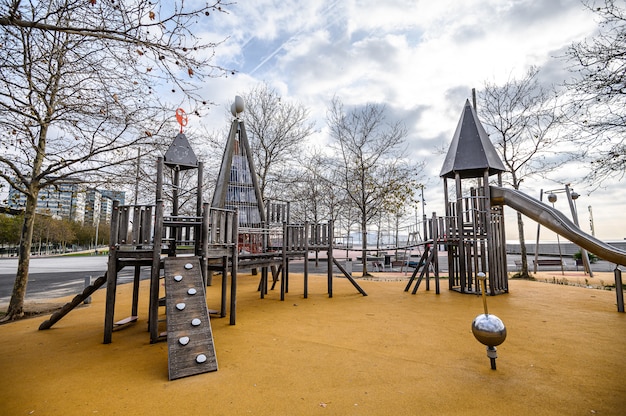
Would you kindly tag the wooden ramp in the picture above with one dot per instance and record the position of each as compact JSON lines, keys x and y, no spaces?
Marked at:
{"x":189,"y":336}
{"x":77,"y":300}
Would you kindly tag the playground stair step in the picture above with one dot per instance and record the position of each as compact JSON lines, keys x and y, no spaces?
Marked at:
{"x":189,"y":336}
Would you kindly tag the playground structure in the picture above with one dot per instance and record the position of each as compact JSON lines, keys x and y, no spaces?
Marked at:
{"x":474,"y":220}
{"x":238,"y":231}
{"x":189,"y":249}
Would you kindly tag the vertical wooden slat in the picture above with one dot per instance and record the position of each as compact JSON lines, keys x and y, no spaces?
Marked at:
{"x":204,"y":238}
{"x":146,"y":228}
{"x":122,"y":230}
{"x":136,"y":232}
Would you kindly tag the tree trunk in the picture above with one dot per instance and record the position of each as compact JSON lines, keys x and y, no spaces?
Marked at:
{"x":522,"y":243}
{"x":16,"y":304}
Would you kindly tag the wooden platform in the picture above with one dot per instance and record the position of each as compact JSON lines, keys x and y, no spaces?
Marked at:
{"x":189,"y":336}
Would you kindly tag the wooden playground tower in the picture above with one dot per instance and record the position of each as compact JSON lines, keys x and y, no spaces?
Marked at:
{"x":177,"y":249}
{"x":267,"y":239}
{"x":474,"y":229}
{"x":184,"y":251}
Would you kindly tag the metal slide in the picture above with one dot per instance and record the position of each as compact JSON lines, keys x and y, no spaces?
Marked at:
{"x":557,"y":222}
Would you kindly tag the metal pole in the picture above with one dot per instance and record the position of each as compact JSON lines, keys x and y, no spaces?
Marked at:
{"x":137,"y":175}
{"x":87,"y":284}
{"x":537,"y":241}
{"x":593,"y":231}
{"x":619,"y":291}
{"x":583,"y":253}
{"x":558,"y":244}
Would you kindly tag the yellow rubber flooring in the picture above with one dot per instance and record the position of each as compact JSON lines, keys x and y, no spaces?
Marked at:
{"x":388,"y":353}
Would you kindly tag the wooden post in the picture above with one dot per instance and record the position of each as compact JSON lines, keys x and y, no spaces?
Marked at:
{"x":198,"y":234}
{"x":111,"y":275}
{"x":153,"y":319}
{"x":283,"y":279}
{"x":330,"y":258}
{"x":487,"y":221}
{"x":136,"y":281}
{"x":459,"y":230}
{"x":233,"y":272}
{"x":306,"y":259}
{"x":204,"y":238}
{"x":435,"y":251}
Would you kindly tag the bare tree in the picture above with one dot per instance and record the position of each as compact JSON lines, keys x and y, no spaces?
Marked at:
{"x":76,"y":92}
{"x":369,"y":159}
{"x":277,"y":129}
{"x":524,"y":121}
{"x":402,"y":200}
{"x":599,"y":90}
{"x":318,"y":195}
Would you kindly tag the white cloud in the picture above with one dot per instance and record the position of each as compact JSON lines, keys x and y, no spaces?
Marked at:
{"x":420,"y":58}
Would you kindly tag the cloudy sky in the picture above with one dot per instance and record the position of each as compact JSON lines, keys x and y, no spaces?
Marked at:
{"x":419,"y":58}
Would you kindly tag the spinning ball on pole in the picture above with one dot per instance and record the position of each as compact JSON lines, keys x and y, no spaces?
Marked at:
{"x":488,"y":329}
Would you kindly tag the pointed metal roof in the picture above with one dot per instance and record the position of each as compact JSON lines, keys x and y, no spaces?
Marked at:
{"x":180,"y":154}
{"x":471,"y":151}
{"x":237,"y":184}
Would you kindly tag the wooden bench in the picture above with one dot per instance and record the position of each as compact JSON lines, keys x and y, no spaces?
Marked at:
{"x":548,"y":262}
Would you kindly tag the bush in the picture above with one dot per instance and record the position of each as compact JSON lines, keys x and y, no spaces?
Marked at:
{"x":579,"y":256}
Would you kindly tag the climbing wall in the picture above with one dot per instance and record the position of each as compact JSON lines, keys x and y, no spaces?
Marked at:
{"x":189,"y":336}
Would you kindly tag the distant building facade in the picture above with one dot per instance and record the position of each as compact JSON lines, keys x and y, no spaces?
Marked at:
{"x":106,"y":203}
{"x":72,"y":201}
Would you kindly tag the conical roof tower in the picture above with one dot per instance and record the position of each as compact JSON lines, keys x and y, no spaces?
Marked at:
{"x":471,"y":152}
{"x":476,"y":240}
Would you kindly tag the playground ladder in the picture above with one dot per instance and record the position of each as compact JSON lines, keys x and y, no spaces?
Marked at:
{"x":189,"y":337}
{"x":412,"y":240}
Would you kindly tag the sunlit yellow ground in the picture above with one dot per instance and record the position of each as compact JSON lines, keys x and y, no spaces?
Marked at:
{"x":389,"y":353}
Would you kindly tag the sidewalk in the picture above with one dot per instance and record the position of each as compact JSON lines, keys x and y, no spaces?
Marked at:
{"x":388,"y":353}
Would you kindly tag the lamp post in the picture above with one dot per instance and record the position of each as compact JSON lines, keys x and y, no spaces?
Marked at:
{"x":552,"y":198}
{"x":572,"y":196}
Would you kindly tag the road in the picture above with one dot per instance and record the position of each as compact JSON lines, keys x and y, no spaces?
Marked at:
{"x":53,"y":277}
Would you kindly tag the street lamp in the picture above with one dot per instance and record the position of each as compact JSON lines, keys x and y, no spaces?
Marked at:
{"x":571,"y":198}
{"x":552,"y":198}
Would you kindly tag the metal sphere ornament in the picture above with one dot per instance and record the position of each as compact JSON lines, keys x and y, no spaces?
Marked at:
{"x":552,"y":198}
{"x":237,"y":106}
{"x":488,"y":329}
